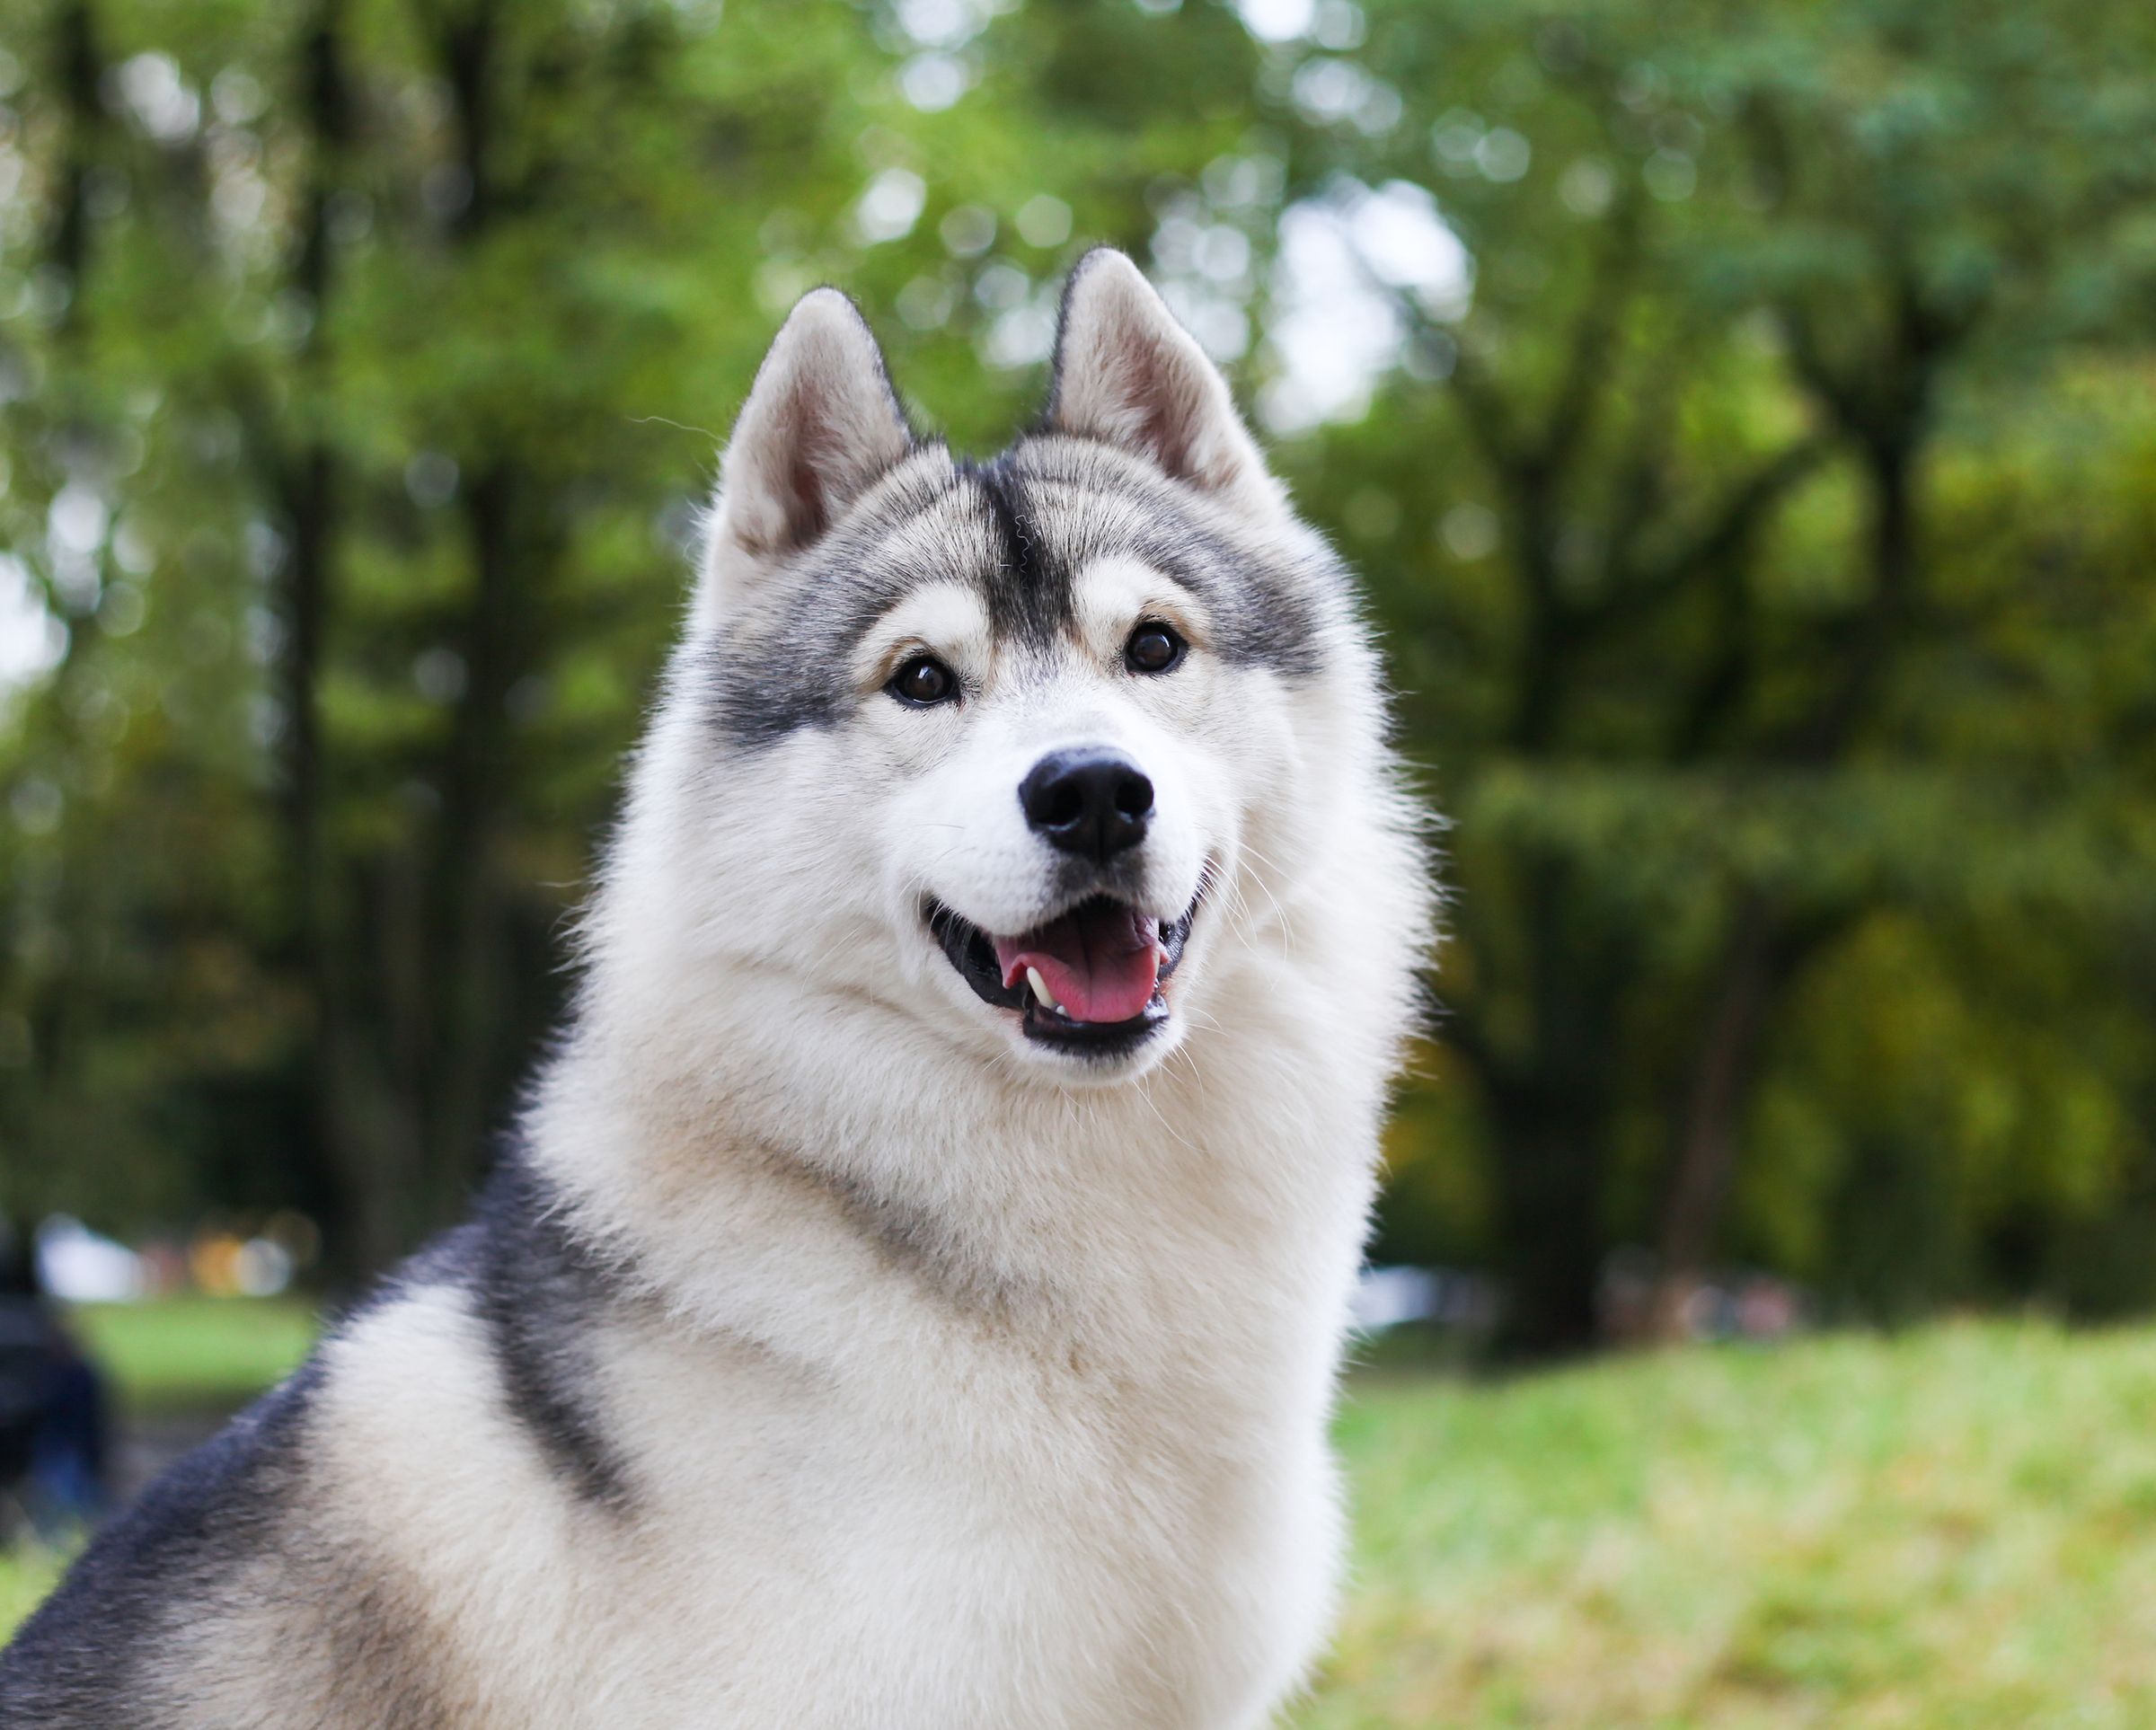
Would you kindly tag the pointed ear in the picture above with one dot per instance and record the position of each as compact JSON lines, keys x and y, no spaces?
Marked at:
{"x":821,"y":426}
{"x":1127,"y":372}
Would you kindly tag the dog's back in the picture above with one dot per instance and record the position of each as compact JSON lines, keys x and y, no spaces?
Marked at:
{"x":102,"y":1650}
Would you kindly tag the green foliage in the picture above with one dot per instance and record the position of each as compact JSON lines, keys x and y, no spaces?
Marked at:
{"x":370,"y":351}
{"x":1759,"y":525}
{"x":1762,"y":553}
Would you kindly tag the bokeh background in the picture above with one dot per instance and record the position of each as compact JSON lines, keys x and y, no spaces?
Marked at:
{"x":1744,"y":419}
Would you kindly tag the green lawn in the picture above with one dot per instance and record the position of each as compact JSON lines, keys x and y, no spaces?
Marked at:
{"x":196,"y":1353}
{"x":1954,"y":1529}
{"x":24,"y":1579}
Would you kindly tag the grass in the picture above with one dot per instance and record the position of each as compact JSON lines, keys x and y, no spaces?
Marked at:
{"x":1952,"y":1530}
{"x":195,"y":1354}
{"x":26,"y":1575}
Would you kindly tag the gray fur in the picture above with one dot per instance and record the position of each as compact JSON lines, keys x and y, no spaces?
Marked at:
{"x":542,"y":1294}
{"x":87,"y":1657}
{"x":1022,"y":525}
{"x":97,"y":1653}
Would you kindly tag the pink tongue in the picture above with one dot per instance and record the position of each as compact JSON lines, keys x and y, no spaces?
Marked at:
{"x":1100,"y":964}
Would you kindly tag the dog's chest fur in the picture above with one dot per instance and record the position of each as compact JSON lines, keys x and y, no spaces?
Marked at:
{"x":1103,"y":1507}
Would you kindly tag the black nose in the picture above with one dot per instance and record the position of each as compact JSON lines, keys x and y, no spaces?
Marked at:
{"x":1093,"y":802}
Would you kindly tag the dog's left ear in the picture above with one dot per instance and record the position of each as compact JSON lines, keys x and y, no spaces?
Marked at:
{"x":1127,"y":372}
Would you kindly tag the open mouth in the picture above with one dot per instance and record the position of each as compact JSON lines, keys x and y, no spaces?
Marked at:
{"x":1088,"y":981}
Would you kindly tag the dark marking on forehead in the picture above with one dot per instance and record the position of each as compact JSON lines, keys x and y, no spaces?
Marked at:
{"x":1029,"y":594}
{"x":1019,"y":529}
{"x":1266,"y":594}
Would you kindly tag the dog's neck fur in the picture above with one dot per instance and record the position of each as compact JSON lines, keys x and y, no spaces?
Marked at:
{"x":717,"y":1137}
{"x":691,"y":1148}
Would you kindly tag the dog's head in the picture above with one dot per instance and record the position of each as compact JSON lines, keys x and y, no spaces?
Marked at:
{"x":1005,"y":748}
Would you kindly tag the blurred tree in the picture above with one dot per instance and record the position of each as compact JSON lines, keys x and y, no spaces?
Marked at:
{"x":1754,"y":487}
{"x":1740,"y":280}
{"x":399,"y":330}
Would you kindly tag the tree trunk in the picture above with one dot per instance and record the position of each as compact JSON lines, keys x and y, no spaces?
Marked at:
{"x":1548,"y":1129}
{"x":78,"y":67}
{"x":1550,"y":1105}
{"x":1711,"y":1114}
{"x":468,"y":948}
{"x":1760,"y":951}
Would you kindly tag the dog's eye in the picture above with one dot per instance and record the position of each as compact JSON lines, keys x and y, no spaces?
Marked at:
{"x":1153,"y":648}
{"x":923,"y":682}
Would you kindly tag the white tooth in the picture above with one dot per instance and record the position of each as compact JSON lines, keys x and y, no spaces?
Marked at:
{"x":1041,"y":988}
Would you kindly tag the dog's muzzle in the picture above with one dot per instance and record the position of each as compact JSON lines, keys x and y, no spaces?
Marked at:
{"x":1090,"y":980}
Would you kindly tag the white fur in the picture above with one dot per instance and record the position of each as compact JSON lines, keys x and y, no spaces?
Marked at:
{"x":1058,"y":1459}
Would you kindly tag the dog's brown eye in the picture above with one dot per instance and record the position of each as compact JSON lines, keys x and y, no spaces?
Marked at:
{"x":923,"y":680}
{"x":1153,"y":649}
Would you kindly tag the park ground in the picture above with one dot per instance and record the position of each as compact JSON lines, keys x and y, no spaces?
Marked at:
{"x":1953,"y":1529}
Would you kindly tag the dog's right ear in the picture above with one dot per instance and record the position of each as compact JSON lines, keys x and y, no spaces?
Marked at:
{"x":821,"y":426}
{"x":1126,"y":373}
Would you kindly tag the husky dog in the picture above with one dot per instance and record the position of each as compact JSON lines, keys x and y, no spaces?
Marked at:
{"x":915,"y":1298}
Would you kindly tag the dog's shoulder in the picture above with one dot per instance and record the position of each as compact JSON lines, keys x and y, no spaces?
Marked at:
{"x":250,"y":1533}
{"x":90,"y":1656}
